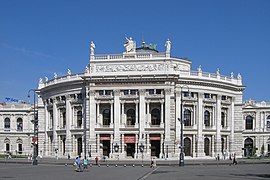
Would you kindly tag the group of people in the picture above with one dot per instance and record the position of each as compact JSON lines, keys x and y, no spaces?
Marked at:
{"x":78,"y":165}
{"x":232,"y":157}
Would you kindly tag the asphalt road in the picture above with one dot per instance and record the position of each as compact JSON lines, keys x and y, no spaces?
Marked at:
{"x":209,"y":172}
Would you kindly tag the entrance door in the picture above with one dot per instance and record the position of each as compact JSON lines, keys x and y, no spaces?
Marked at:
{"x":79,"y":143}
{"x":155,"y":148}
{"x":130,"y":149}
{"x":106,"y":148}
{"x":248,"y":147}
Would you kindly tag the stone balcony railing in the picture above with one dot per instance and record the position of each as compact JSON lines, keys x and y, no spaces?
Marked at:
{"x":127,"y":56}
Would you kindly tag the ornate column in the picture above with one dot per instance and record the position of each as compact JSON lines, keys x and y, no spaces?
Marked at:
{"x":137,"y":113}
{"x":98,"y":146}
{"x":167,"y":115}
{"x":148,"y":115}
{"x":68,"y":126}
{"x":162,"y":113}
{"x":193,"y":145}
{"x":116,"y":116}
{"x":177,"y":115}
{"x":55,"y":124}
{"x":231,"y":141}
{"x":112,"y":114}
{"x":92,"y":118}
{"x":218,"y":126}
{"x":142,"y":113}
{"x":123,"y":120}
{"x":98,"y":120}
{"x":200,"y":139}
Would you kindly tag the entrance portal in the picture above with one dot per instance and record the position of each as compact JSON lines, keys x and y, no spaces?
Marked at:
{"x":155,"y":148}
{"x":131,"y":149}
{"x":106,"y":147}
{"x":79,"y":144}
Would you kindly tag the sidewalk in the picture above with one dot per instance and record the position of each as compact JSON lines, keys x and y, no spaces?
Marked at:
{"x":160,"y":162}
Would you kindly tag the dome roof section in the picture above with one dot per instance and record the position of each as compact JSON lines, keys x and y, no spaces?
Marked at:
{"x":147,"y":48}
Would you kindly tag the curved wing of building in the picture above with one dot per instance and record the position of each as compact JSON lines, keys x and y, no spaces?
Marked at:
{"x":130,"y":104}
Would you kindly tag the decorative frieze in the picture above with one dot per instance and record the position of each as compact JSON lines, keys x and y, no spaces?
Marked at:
{"x":130,"y":67}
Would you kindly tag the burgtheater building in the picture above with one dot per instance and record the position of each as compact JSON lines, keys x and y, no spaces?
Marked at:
{"x":123,"y":102}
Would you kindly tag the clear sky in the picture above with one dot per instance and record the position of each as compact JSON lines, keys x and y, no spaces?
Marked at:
{"x":38,"y":38}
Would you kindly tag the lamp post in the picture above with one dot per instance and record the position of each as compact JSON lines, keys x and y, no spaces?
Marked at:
{"x":35,"y":122}
{"x":181,"y":119}
{"x":116,"y":149}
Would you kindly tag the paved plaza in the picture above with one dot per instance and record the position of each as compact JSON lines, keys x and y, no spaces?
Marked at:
{"x":52,"y":171}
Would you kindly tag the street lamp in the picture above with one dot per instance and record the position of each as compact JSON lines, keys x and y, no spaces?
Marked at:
{"x":35,"y":122}
{"x":181,"y":158}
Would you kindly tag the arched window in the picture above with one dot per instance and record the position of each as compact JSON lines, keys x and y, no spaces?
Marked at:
{"x":131,"y":117}
{"x":106,"y":117}
{"x":187,"y":145}
{"x":249,"y":123}
{"x":155,"y":117}
{"x":19,"y":124}
{"x":7,"y":124}
{"x":19,"y":146}
{"x":7,"y":142}
{"x":79,"y":119}
{"x":222,"y":119}
{"x":206,"y":146}
{"x":207,"y":118}
{"x":187,"y":117}
{"x":222,"y":145}
{"x":248,"y":145}
{"x":64,"y":121}
{"x":268,"y":122}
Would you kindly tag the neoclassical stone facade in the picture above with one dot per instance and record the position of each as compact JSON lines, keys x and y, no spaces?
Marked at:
{"x":16,"y":129}
{"x":134,"y":99}
{"x":256,"y":128}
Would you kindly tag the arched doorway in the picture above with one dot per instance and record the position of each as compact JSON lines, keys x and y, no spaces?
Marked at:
{"x":79,"y":144}
{"x":207,"y":146}
{"x":248,"y":145}
{"x":187,"y":147}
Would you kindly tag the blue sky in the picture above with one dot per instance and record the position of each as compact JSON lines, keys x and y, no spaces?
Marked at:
{"x":38,"y":38}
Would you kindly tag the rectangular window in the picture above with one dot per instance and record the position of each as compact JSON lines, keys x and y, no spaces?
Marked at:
{"x":268,"y":124}
{"x":100,"y":92}
{"x":223,"y":97}
{"x":207,"y":96}
{"x":125,"y":92}
{"x":133,"y":92}
{"x":151,"y":91}
{"x":158,"y":91}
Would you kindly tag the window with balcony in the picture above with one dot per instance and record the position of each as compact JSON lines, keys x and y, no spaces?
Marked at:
{"x":19,"y":124}
{"x":131,"y":117}
{"x":207,"y":118}
{"x":79,"y":119}
{"x":155,"y":117}
{"x":268,"y":122}
{"x":223,"y":119}
{"x":187,"y":117}
{"x":249,"y":123}
{"x":106,"y":117}
{"x":7,"y":124}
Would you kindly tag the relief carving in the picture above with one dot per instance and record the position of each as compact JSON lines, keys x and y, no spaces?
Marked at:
{"x":130,"y":67}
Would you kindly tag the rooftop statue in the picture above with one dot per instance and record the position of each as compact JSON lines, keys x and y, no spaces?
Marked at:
{"x":168,"y":45}
{"x":130,"y":45}
{"x":92,"y":48}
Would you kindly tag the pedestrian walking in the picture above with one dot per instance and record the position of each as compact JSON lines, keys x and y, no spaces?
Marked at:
{"x":85,"y":163}
{"x":234,"y":159}
{"x":96,"y":159}
{"x":78,"y":166}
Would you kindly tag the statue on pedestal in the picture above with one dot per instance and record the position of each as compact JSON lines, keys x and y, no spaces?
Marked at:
{"x":168,"y":46}
{"x":92,"y":48}
{"x":130,"y":45}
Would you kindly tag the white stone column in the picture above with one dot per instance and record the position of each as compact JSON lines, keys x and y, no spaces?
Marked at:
{"x":161,"y":146}
{"x":111,"y":148}
{"x":148,"y":115}
{"x":231,"y":141}
{"x":142,"y":113}
{"x":123,"y":120}
{"x":99,"y":153}
{"x":98,"y":119}
{"x":177,"y":122}
{"x":218,"y":126}
{"x":55,"y":124}
{"x":137,"y":113}
{"x":193,"y":145}
{"x":116,"y":116}
{"x":68,"y":126}
{"x":161,"y":113}
{"x":200,"y":139}
{"x":167,"y":115}
{"x":92,"y":119}
{"x":112,"y":114}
